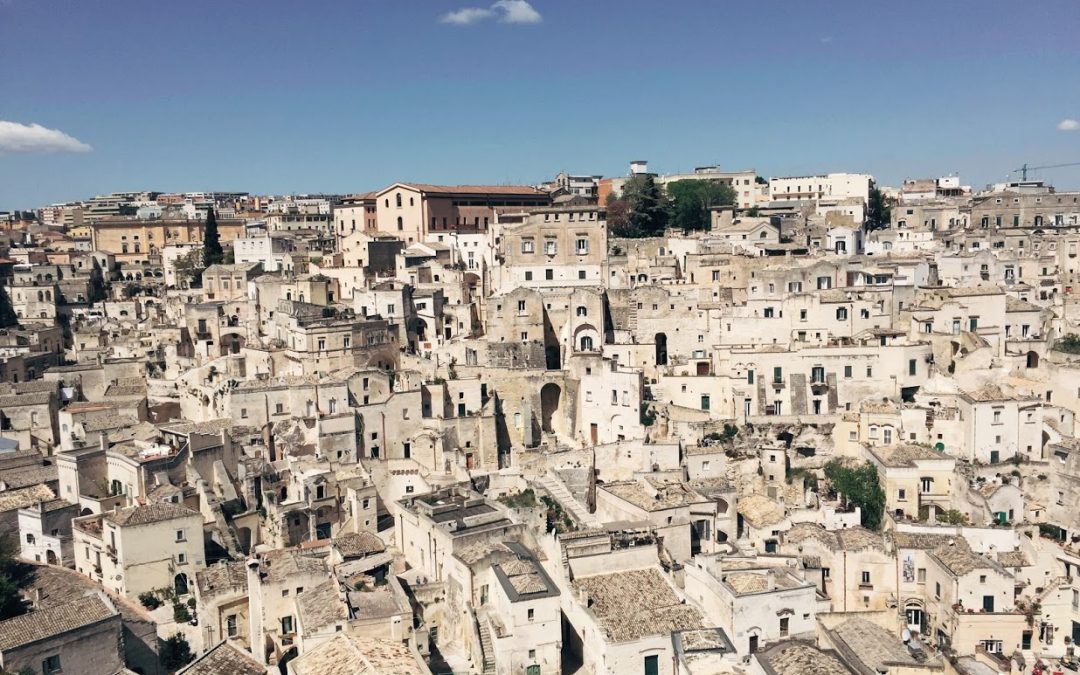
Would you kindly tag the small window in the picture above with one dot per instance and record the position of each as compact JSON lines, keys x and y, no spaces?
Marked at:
{"x":179,"y":535}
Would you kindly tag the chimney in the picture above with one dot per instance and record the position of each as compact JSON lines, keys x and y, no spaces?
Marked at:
{"x":772,"y":580}
{"x":255,"y":610}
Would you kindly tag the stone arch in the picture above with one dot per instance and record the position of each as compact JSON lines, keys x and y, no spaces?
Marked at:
{"x":661,"y":349}
{"x":550,"y":394}
{"x":180,"y":584}
{"x":1032,"y":359}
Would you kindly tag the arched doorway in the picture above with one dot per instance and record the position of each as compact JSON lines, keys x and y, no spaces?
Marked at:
{"x":180,"y":584}
{"x":549,"y":403}
{"x":1032,"y":360}
{"x":661,"y":349}
{"x":50,"y":557}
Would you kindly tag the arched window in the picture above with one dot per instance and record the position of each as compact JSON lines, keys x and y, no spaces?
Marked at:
{"x":764,"y":235}
{"x":410,"y":201}
{"x":398,"y":197}
{"x":582,"y":310}
{"x":400,"y":224}
{"x":586,"y":343}
{"x":841,"y":314}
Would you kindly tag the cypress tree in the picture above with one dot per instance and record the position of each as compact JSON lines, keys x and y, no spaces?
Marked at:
{"x":8,"y":317}
{"x":212,"y":252}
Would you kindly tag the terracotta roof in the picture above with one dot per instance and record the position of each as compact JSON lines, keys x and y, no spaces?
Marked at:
{"x":45,"y":623}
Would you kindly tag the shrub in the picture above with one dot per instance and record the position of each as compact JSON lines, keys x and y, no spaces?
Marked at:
{"x":180,"y":613}
{"x":149,"y":600}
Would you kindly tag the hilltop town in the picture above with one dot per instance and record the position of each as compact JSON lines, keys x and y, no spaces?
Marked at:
{"x":673,"y":424}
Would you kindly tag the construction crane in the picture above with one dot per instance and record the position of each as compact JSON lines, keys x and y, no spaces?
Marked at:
{"x":1024,"y":169}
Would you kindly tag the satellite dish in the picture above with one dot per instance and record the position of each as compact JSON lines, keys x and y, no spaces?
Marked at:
{"x":906,"y":635}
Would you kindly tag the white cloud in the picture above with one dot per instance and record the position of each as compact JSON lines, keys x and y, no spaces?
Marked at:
{"x":1068,"y":124}
{"x":15,"y":137}
{"x":506,"y":11}
{"x":517,"y":11}
{"x":466,"y":16}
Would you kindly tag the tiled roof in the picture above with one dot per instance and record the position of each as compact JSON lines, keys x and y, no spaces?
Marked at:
{"x":222,"y":577}
{"x":631,"y":605}
{"x":355,"y":545}
{"x":224,"y":659}
{"x":346,"y":654}
{"x":44,"y":623}
{"x":149,"y":513}
{"x":23,"y":497}
{"x":321,"y":606}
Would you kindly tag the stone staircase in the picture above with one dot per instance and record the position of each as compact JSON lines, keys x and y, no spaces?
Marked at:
{"x":487,"y":647}
{"x":560,"y":493}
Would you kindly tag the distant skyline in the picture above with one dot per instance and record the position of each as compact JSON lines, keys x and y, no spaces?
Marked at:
{"x":341,"y":97}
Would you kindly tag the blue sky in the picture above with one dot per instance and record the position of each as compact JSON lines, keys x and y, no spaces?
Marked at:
{"x":286,"y":96}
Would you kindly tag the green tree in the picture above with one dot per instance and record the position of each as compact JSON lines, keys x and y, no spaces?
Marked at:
{"x":212,"y":251}
{"x":8,"y":317}
{"x":859,"y":486}
{"x":11,"y":571}
{"x":190,"y":266}
{"x":692,"y":199}
{"x":648,"y":214}
{"x":879,"y":210}
{"x":175,"y":653}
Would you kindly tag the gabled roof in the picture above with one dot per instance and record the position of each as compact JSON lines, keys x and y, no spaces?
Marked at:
{"x":149,"y":513}
{"x":42,"y":624}
{"x":472,"y":190}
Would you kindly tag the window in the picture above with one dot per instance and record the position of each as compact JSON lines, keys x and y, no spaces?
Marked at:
{"x":784,"y":626}
{"x":322,"y":344}
{"x":866,"y":578}
{"x":526,"y":245}
{"x":532,"y":614}
{"x":778,"y":375}
{"x":582,"y":246}
{"x":886,"y":435}
{"x":179,"y":535}
{"x":51,"y":665}
{"x":549,"y":274}
{"x":243,"y":413}
{"x":551,"y":247}
{"x":181,"y":558}
{"x":901,"y":495}
{"x":847,"y":372}
{"x":912,"y":367}
{"x":346,"y":342}
{"x":937,"y":590}
{"x":749,"y":377}
{"x":528,"y":276}
{"x":705,"y":402}
{"x":582,"y":311}
{"x":286,"y":624}
{"x":768,"y":312}
{"x":841,"y":314}
{"x":997,"y":417}
{"x":230,"y":625}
